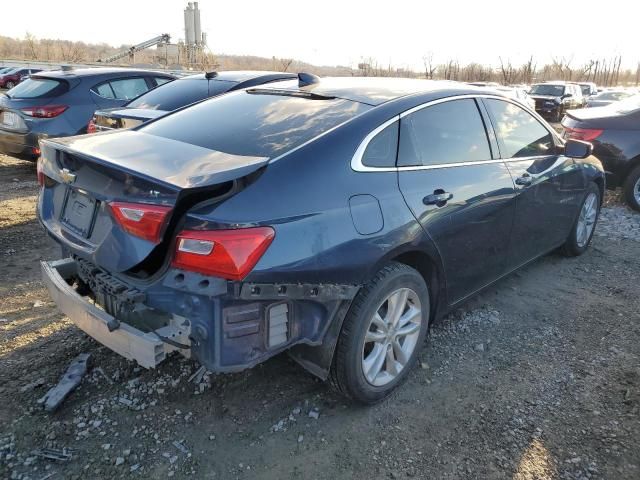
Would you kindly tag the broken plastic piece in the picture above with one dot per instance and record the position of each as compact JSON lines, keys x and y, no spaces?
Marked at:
{"x":69,"y":381}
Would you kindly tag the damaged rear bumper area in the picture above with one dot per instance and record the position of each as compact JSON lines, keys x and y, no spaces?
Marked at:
{"x":226,"y":326}
{"x":145,"y":348}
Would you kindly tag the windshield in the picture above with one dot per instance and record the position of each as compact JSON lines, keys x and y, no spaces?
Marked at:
{"x":10,"y":71}
{"x":179,"y":93}
{"x":255,"y":124}
{"x":37,"y":88}
{"x":547,"y":89}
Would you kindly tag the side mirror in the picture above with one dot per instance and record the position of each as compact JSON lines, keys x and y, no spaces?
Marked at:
{"x":577,"y":149}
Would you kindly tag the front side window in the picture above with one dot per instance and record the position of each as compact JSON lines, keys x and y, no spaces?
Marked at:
{"x":519,"y":133}
{"x":449,"y":132}
{"x":383,"y":148}
{"x":129,"y":88}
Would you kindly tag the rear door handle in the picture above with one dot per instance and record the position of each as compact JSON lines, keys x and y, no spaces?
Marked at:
{"x":438,"y":197}
{"x":524,"y":180}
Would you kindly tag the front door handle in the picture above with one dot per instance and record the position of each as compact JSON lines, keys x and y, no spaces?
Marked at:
{"x":438,"y":197}
{"x":524,"y":180}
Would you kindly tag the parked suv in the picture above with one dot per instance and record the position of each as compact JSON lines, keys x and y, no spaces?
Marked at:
{"x":14,"y":76}
{"x":61,"y":103}
{"x":553,"y":99}
{"x":330,"y":218}
{"x":177,"y":94}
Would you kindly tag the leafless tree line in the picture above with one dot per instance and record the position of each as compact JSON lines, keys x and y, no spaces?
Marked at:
{"x":603,"y":71}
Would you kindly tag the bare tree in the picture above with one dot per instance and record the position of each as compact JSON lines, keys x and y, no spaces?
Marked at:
{"x":429,"y":67}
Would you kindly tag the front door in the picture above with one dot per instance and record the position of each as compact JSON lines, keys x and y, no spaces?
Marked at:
{"x":549,"y":185}
{"x":459,"y":191}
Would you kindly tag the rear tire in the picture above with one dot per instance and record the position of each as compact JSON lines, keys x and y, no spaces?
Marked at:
{"x":584,"y":226}
{"x":631,"y":189}
{"x":375,"y":353}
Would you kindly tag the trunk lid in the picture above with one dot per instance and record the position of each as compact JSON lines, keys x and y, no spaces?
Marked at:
{"x":124,"y":117}
{"x":85,"y":173}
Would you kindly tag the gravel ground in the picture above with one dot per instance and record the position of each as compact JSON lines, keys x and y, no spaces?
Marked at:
{"x":536,"y":378}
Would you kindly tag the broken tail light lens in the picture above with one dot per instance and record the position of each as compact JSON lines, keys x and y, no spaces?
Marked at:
{"x":229,"y":254}
{"x":142,"y":220}
{"x":45,"y":111}
{"x":585,"y":134}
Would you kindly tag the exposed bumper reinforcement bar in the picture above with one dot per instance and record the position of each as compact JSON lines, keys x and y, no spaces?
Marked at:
{"x":145,"y":348}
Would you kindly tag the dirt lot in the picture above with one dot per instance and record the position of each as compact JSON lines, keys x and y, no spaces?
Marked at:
{"x":537,"y":378}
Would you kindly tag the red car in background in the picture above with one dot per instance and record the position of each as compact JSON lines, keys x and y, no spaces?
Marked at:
{"x":13,"y":77}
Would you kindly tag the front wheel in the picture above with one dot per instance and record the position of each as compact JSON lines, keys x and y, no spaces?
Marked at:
{"x":10,"y":85}
{"x":582,"y":231}
{"x":632,"y":189}
{"x":382,"y":334}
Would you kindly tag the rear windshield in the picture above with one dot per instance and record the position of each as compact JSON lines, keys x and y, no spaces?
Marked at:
{"x":629,"y":105}
{"x":38,"y":88}
{"x":179,"y":93}
{"x":255,"y":124}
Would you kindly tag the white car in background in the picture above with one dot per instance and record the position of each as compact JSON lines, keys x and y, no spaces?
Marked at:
{"x":520,"y":94}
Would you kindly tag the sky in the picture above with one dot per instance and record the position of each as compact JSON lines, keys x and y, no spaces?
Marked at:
{"x":343,"y":32}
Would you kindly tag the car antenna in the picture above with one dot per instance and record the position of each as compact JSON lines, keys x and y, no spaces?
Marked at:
{"x":305,"y":79}
{"x":210,"y":75}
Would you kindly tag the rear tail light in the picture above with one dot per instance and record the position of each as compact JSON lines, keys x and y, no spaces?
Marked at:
{"x":91,"y":127}
{"x":46,"y":111}
{"x":229,"y":254}
{"x":143,"y":221}
{"x":586,"y":134}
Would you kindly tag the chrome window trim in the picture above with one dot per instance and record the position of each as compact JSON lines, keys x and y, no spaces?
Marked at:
{"x":358,"y":166}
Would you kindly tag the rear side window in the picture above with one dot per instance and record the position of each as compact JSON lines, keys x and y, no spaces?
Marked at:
{"x":449,"y":132}
{"x":39,"y":88}
{"x":129,"y":88}
{"x":519,"y":133}
{"x":173,"y":95}
{"x":105,"y":90}
{"x":161,"y":80}
{"x":255,"y":123}
{"x":383,"y":148}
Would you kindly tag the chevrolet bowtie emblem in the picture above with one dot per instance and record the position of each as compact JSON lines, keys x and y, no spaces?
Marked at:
{"x":66,"y":176}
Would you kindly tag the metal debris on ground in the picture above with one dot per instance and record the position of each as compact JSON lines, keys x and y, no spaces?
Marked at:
{"x":196,"y":377}
{"x":56,"y":454}
{"x":69,"y":381}
{"x":180,"y":446}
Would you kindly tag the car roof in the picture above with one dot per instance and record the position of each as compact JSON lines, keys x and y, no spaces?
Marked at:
{"x":376,"y":90}
{"x":99,"y":71}
{"x":239,"y":75}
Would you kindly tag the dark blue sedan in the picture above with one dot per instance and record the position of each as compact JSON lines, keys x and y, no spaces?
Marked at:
{"x":61,"y":103}
{"x":334,"y":219}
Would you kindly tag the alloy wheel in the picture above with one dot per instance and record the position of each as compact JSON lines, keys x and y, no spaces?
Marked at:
{"x":391,"y":337}
{"x":636,"y":191}
{"x":587,"y":219}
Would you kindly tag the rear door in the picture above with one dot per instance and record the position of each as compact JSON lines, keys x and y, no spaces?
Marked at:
{"x":459,"y":190}
{"x":548,"y":184}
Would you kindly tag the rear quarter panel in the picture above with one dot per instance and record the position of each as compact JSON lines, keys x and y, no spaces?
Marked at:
{"x":305,"y":197}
